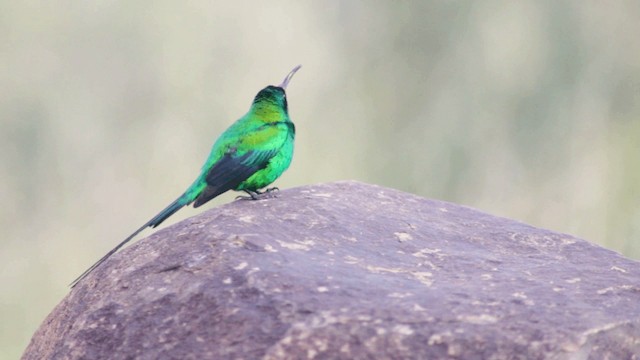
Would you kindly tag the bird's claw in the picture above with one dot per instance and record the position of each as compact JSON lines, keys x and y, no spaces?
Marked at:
{"x":257,"y":195}
{"x":242,"y":197}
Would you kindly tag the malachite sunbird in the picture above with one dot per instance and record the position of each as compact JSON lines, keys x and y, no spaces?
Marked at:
{"x":251,"y":154}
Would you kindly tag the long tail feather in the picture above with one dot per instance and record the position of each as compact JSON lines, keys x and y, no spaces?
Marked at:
{"x":155,"y":221}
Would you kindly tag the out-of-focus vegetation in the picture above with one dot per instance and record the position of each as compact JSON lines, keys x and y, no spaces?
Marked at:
{"x":528,"y":110}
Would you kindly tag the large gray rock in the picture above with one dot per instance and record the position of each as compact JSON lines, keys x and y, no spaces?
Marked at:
{"x":350,"y":271}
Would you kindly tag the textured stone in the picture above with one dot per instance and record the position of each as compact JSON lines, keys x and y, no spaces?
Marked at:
{"x":353,"y":271}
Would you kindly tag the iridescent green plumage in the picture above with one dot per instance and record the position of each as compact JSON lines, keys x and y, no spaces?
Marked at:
{"x":251,"y":154}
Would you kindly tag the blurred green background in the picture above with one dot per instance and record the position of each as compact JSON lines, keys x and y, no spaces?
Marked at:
{"x":525,"y":109}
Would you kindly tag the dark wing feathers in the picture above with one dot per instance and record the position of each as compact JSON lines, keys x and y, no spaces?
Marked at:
{"x":230,"y":171}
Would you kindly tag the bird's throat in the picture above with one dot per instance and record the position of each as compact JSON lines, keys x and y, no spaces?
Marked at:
{"x":268,"y":112}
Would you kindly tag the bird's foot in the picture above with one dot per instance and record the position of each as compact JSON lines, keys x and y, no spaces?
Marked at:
{"x":250,"y":197}
{"x":257,"y":195}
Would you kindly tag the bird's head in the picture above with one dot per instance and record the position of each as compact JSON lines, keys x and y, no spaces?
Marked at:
{"x":271,"y":102}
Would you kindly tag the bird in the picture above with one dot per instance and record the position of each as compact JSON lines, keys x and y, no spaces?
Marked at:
{"x":250,"y":155}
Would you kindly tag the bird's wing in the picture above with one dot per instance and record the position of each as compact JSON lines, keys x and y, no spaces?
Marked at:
{"x":230,"y":171}
{"x":242,"y":159}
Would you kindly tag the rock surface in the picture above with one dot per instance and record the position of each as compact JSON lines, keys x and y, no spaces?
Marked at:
{"x":348,"y":270}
